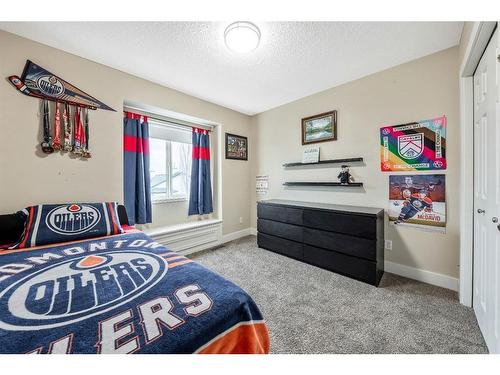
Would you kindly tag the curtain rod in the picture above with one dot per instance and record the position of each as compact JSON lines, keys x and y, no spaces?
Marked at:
{"x":162,"y":118}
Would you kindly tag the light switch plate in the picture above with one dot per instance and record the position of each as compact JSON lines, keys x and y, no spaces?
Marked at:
{"x":388,"y":244}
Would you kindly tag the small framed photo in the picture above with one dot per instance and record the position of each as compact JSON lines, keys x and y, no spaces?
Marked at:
{"x":319,"y":128}
{"x":236,"y":147}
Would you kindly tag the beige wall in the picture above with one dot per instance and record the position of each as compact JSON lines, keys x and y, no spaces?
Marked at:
{"x":421,"y":89}
{"x":29,"y":177}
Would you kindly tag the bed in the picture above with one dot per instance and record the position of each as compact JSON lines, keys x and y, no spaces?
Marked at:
{"x":122,"y":293}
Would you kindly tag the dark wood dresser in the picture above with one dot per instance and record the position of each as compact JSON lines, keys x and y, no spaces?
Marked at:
{"x":345,"y":239}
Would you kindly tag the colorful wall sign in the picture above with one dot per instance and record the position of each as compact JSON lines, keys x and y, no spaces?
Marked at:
{"x":416,"y":146}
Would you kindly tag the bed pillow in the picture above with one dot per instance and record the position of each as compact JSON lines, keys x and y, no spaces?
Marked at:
{"x":55,"y":223}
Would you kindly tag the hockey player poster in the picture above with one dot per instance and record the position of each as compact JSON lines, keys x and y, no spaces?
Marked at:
{"x":417,"y":146}
{"x":418,"y":201}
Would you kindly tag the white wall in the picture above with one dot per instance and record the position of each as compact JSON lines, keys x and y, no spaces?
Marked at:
{"x":418,"y":90}
{"x":27,"y":176}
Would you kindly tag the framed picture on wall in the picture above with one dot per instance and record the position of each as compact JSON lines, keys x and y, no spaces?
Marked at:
{"x":236,"y":147}
{"x":319,"y":128}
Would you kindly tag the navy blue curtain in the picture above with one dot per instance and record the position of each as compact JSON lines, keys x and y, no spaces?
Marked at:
{"x":137,"y":185}
{"x":200,"y":196}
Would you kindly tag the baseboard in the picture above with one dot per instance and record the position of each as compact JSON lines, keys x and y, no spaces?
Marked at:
{"x":253,"y":231}
{"x":424,"y":276}
{"x":236,"y":235}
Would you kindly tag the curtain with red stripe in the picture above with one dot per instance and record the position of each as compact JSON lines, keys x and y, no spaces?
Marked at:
{"x":200,"y":196}
{"x":137,"y":187}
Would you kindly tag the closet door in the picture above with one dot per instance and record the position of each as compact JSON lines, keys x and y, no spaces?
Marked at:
{"x":486,"y":298}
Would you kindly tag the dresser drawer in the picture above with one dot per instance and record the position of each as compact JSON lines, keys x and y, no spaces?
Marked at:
{"x":282,"y":214}
{"x":356,"y":225}
{"x":343,"y":243}
{"x":360,"y":269}
{"x":275,"y":228}
{"x":280,"y":245}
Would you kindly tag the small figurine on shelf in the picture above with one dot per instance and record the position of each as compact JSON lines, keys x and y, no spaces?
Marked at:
{"x":344,"y":176}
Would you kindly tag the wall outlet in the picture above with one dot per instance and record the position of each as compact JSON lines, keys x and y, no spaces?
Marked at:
{"x":388,"y":244}
{"x":241,"y":220}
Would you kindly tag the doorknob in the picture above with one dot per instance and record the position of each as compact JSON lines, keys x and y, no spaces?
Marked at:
{"x":494,"y":219}
{"x":480,"y":211}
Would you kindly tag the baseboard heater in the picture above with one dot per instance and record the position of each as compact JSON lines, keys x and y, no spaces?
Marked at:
{"x":189,"y":237}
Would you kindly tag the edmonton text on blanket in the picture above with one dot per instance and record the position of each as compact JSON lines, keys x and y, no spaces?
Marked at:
{"x":86,"y":280}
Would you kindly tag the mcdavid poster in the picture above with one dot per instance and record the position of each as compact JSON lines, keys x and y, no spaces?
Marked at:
{"x":418,"y":201}
{"x":417,"y":146}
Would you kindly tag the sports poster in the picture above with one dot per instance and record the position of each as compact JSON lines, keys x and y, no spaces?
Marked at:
{"x":418,"y":201}
{"x":417,"y":146}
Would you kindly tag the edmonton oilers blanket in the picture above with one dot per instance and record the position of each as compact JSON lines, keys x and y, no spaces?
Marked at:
{"x":121,"y":294}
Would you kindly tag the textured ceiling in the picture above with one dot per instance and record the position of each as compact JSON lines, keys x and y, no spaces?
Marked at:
{"x":294,"y":59}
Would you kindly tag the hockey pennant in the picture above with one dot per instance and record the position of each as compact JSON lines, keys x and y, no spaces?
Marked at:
{"x":40,"y":83}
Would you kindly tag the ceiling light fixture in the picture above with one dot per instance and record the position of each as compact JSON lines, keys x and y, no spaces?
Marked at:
{"x":242,"y":36}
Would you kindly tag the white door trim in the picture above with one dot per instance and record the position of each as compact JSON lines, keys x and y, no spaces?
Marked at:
{"x":480,"y":35}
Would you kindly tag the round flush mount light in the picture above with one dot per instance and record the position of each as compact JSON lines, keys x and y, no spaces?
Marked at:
{"x":242,"y":36}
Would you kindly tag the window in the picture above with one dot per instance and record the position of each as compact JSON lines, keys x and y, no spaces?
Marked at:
{"x":170,"y":164}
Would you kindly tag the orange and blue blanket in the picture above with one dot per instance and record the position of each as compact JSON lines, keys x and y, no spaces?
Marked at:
{"x":121,"y":294}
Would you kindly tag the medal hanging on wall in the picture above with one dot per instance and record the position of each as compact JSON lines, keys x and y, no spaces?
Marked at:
{"x":68,"y":145}
{"x":86,"y":150}
{"x":77,"y":148}
{"x":46,"y":147}
{"x":56,"y":143}
{"x":82,"y":133}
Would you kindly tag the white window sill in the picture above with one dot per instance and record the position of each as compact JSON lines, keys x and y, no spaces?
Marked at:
{"x":171,"y":200}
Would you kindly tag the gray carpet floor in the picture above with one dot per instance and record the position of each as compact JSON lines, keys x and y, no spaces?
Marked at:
{"x":310,"y":310}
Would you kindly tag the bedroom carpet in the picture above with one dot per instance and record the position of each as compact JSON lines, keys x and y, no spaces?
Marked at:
{"x":310,"y":310}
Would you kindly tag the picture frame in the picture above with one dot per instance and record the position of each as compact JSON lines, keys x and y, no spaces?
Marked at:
{"x":236,"y":147}
{"x":319,"y":128}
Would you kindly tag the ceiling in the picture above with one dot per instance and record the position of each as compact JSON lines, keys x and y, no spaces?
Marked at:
{"x":294,"y":59}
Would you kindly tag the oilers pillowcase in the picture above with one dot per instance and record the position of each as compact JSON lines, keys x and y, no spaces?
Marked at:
{"x":55,"y":223}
